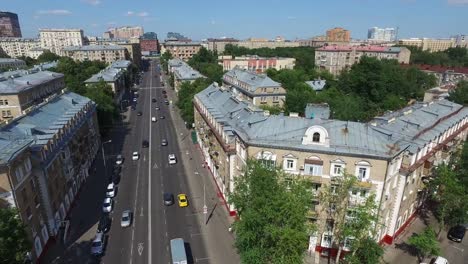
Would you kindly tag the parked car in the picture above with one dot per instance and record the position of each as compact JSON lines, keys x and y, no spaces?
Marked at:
{"x":104,"y":224}
{"x":117,"y":169}
{"x":145,"y":144}
{"x":153,"y":119}
{"x":166,"y":102}
{"x":163,"y":91}
{"x":126,"y":220}
{"x":139,"y":113}
{"x":172,"y":159}
{"x":97,"y":246}
{"x":168,"y":198}
{"x":439,"y":260}
{"x":162,"y":117}
{"x":163,"y":142}
{"x":107,"y":205}
{"x":157,"y":108}
{"x":135,"y":156}
{"x":182,"y":200}
{"x":110,"y":192}
{"x":153,"y":100}
{"x":456,"y":233}
{"x":119,"y":160}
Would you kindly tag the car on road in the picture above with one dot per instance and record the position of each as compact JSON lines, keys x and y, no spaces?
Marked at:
{"x":97,"y":246}
{"x":133,"y":107}
{"x":145,"y":144}
{"x":117,"y":169}
{"x":165,"y":95}
{"x":126,"y":219}
{"x":153,"y":100}
{"x":153,"y":119}
{"x":110,"y":192}
{"x":157,"y":108}
{"x":164,"y":91}
{"x":456,"y":233}
{"x":135,"y":99}
{"x":172,"y":159}
{"x":166,"y":102}
{"x":139,"y":113}
{"x":164,"y":142}
{"x":135,"y":156}
{"x":182,"y":198}
{"x":119,"y":160}
{"x":162,"y":117}
{"x":168,"y":199}
{"x":104,"y":224}
{"x":439,"y":260}
{"x":107,"y":205}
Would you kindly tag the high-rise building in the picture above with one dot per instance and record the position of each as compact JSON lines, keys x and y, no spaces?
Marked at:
{"x":338,"y":35}
{"x":9,"y":25}
{"x":17,"y":47}
{"x":57,"y":39}
{"x":124,"y":32}
{"x":149,"y":43}
{"x":381,"y":34}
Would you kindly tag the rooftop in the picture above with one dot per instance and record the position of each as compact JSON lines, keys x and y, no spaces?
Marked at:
{"x":252,"y":79}
{"x":121,"y":64}
{"x":182,"y":43}
{"x":183,"y":71}
{"x":109,"y":74}
{"x":369,"y":48}
{"x":317,"y":85}
{"x":93,"y":48}
{"x":8,"y":60}
{"x":24,"y":80}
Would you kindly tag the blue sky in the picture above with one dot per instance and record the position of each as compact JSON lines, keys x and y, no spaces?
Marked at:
{"x":200,"y":19}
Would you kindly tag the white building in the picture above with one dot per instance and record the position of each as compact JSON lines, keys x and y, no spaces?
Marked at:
{"x":17,"y":47}
{"x":56,"y":39}
{"x":381,"y":34}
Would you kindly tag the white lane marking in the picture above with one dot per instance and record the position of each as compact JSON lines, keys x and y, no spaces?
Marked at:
{"x":140,"y":248}
{"x":141,"y":211}
{"x":155,"y":166}
{"x":461,"y":249}
{"x":144,"y":157}
{"x":150,"y":260}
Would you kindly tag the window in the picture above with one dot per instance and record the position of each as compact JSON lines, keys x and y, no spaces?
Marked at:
{"x":348,"y":243}
{"x":316,"y":137}
{"x":24,"y":195}
{"x":363,"y":193}
{"x":327,"y":239}
{"x":19,"y":174}
{"x":338,"y":169}
{"x":362,"y":173}
{"x":289,"y":164}
{"x":27,"y":165}
{"x":1,"y":102}
{"x":315,"y":170}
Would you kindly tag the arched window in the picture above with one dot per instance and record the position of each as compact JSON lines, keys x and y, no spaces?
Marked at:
{"x":316,"y":137}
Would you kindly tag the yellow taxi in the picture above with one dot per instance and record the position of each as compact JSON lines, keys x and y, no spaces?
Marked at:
{"x":183,"y":202}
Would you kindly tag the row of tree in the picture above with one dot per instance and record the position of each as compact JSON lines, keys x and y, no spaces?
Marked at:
{"x":456,"y":57}
{"x":14,"y":241}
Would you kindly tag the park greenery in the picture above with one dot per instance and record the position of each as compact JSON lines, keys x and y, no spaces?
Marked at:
{"x":425,"y":243}
{"x":14,"y":241}
{"x":185,"y":97}
{"x":452,"y":57}
{"x":272,"y":207}
{"x":46,"y":56}
{"x":460,"y":95}
{"x":206,"y":62}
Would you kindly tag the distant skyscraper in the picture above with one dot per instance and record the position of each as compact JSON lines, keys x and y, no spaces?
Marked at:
{"x":9,"y":25}
{"x":381,"y":34}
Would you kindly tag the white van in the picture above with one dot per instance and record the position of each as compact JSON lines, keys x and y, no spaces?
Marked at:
{"x":153,"y":119}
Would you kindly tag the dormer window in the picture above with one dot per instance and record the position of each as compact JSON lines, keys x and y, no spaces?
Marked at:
{"x":316,"y":137}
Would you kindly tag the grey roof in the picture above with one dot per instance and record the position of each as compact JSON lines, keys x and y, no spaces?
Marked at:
{"x":183,"y":71}
{"x":8,"y":60}
{"x":317,"y":111}
{"x":317,"y":85}
{"x":25,"y":80}
{"x":253,"y":80}
{"x":39,"y":125}
{"x":46,"y":65}
{"x":93,"y":48}
{"x":109,"y":74}
{"x":121,"y":64}
{"x":182,"y":43}
{"x":252,"y":126}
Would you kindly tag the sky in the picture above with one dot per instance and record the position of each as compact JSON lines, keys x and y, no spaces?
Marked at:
{"x":200,"y":19}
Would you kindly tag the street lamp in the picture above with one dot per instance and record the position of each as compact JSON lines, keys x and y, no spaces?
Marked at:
{"x":104,"y":156}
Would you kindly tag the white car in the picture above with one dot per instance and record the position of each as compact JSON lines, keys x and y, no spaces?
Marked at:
{"x":107,"y":206}
{"x":134,"y":99}
{"x":153,"y":119}
{"x":119,"y":160}
{"x":126,"y":218}
{"x":97,"y":247}
{"x":135,"y":156}
{"x":110,"y":192}
{"x":172,"y":159}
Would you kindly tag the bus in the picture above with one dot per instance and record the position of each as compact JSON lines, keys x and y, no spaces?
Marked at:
{"x":178,"y":251}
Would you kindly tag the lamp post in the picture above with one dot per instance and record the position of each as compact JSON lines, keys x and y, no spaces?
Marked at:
{"x":104,"y":156}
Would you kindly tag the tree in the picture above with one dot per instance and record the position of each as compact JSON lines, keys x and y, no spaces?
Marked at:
{"x":206,"y":62}
{"x":14,"y":242}
{"x":101,"y":93}
{"x":460,"y":94}
{"x":425,"y":243}
{"x":47,"y":56}
{"x":272,"y":209}
{"x":165,"y":57}
{"x":368,"y":251}
{"x":29,"y":61}
{"x":185,"y":97}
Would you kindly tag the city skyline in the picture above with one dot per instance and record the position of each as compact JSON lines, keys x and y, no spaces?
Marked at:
{"x":297,"y":20}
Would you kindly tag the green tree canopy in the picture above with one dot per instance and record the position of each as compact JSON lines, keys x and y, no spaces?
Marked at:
{"x":47,"y":56}
{"x":14,"y":241}
{"x":206,"y":62}
{"x":460,"y":95}
{"x":454,"y":57}
{"x":425,"y":243}
{"x":272,"y":209}
{"x":368,"y":251}
{"x":185,"y":97}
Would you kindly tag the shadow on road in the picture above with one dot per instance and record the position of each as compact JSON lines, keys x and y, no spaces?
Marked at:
{"x":188,"y":251}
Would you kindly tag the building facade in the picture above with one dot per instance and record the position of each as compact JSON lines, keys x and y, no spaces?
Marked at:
{"x":256,"y":63}
{"x":429,"y":44}
{"x":386,"y":162}
{"x":182,"y":50}
{"x":18,"y":47}
{"x":382,"y":34}
{"x":182,"y":72}
{"x":338,"y":35}
{"x":462,"y":41}
{"x":255,"y":88}
{"x":335,"y":59}
{"x":107,"y":53}
{"x":6,"y":63}
{"x":56,"y":40}
{"x":21,"y":90}
{"x":9,"y":25}
{"x":134,"y":52}
{"x":46,"y":156}
{"x":124,"y":32}
{"x":115,"y":76}
{"x":149,"y":44}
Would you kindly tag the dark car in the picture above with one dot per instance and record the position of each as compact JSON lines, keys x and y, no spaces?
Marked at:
{"x":161,"y":117}
{"x":145,"y":144}
{"x":163,"y":91}
{"x":166,"y":102}
{"x":168,"y":198}
{"x":117,"y":169}
{"x":139,"y":113}
{"x":153,"y":100}
{"x":165,"y":95}
{"x":104,"y":224}
{"x":456,"y":233}
{"x":133,"y":107}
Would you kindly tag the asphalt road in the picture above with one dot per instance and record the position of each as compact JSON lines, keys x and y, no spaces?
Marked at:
{"x":143,"y":183}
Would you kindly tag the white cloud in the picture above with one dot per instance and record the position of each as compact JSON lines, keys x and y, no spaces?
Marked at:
{"x":458,"y":2}
{"x":143,"y":14}
{"x":92,"y":2}
{"x":54,"y":12}
{"x":130,"y":13}
{"x":139,"y":14}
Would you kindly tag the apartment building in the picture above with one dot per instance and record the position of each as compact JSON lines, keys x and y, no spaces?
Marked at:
{"x":35,"y":52}
{"x":134,"y":52}
{"x":390,"y":156}
{"x":182,"y":50}
{"x":18,"y":47}
{"x":182,"y":72}
{"x":382,"y":34}
{"x":124,"y":32}
{"x":429,"y":44}
{"x":23,"y":89}
{"x":338,"y":35}
{"x":256,"y":63}
{"x":6,"y":63}
{"x":444,"y":74}
{"x":115,"y":76}
{"x":255,"y":88}
{"x":9,"y":25}
{"x":56,"y":40}
{"x":335,"y":59}
{"x":149,"y":44}
{"x":46,"y":155}
{"x":105,"y":53}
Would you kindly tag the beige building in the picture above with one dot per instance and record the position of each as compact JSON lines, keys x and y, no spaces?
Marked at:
{"x":335,"y":59}
{"x":255,"y":88}
{"x":21,"y":90}
{"x":219,"y":45}
{"x":256,"y":63}
{"x":46,"y":156}
{"x":134,"y":51}
{"x":429,"y":44}
{"x":124,"y":32}
{"x":35,"y":52}
{"x":56,"y":40}
{"x":338,"y":35}
{"x":17,"y":47}
{"x":107,"y":53}
{"x":182,"y":72}
{"x":391,"y":156}
{"x":182,"y":50}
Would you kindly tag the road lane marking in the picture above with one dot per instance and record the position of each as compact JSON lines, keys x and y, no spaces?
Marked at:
{"x":140,"y":248}
{"x":150,"y":260}
{"x":141,"y":211}
{"x":461,"y":249}
{"x":155,"y":166}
